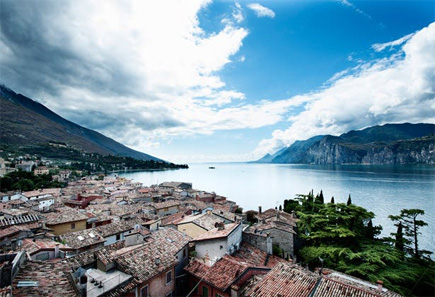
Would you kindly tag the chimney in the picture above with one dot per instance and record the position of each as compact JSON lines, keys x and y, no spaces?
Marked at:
{"x":277,"y":214}
{"x":259,"y":210}
{"x":221,"y":226}
{"x":56,"y":250}
{"x":380,"y":285}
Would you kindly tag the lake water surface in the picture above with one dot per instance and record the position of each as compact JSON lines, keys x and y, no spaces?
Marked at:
{"x":383,"y":190}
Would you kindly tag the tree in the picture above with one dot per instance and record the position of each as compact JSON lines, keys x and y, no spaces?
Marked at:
{"x":349,"y":201}
{"x":411,"y":229}
{"x":280,"y":207}
{"x":332,"y":200}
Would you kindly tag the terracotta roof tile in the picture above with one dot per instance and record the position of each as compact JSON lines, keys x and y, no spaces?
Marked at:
{"x":52,"y":276}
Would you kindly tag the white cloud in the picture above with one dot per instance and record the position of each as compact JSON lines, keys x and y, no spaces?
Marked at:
{"x":261,"y":11}
{"x":392,"y":90}
{"x":381,"y":46}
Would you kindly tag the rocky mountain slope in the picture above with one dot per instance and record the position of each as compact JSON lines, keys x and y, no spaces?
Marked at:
{"x":387,"y":144}
{"x":27,"y":122}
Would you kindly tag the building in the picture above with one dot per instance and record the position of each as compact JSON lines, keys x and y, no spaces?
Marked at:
{"x":115,"y":231}
{"x":49,"y":278}
{"x":44,"y":249}
{"x":197,"y":224}
{"x":83,"y":240}
{"x":214,"y":244}
{"x":289,"y":280}
{"x":65,"y":220}
{"x":176,"y":185}
{"x":166,"y":208}
{"x":41,"y":170}
{"x":229,"y":275}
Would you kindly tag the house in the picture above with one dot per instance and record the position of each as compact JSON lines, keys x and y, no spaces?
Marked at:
{"x":147,"y":269}
{"x":166,"y":208}
{"x":115,"y":231}
{"x":49,"y":278}
{"x":41,"y":170}
{"x":217,"y":242}
{"x":197,"y":224}
{"x":82,"y":200}
{"x":83,"y":240}
{"x":178,"y":243}
{"x":64,"y":220}
{"x":176,"y":185}
{"x":44,"y":249}
{"x":228,"y":276}
{"x":289,"y":280}
{"x":279,"y":226}
{"x":25,"y":165}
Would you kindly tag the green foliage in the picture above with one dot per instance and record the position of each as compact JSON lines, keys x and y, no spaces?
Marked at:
{"x":26,"y":181}
{"x":344,"y":236}
{"x":410,"y":229}
{"x":238,"y":210}
{"x":276,"y":250}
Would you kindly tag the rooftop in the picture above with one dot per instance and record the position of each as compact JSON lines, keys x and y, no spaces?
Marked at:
{"x":107,"y":280}
{"x":285,"y":280}
{"x":146,"y":261}
{"x":171,"y":239}
{"x":83,"y":238}
{"x":48,"y":278}
{"x":64,"y":215}
{"x":217,"y":233}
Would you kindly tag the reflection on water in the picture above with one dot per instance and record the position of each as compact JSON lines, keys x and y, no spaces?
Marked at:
{"x":384,"y":190}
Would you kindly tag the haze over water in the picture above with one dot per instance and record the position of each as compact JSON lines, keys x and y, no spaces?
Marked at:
{"x":383,"y":190}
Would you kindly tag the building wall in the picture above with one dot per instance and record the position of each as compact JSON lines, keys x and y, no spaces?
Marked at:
{"x":283,"y":239}
{"x":63,"y":228}
{"x":217,"y":248}
{"x":157,"y":286}
{"x":191,"y":229}
{"x":182,"y":260}
{"x":112,"y":239}
{"x":257,"y":240}
{"x":167,"y":211}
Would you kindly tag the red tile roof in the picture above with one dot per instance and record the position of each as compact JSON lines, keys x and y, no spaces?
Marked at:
{"x":285,"y":280}
{"x":216,"y":233}
{"x":52,"y":279}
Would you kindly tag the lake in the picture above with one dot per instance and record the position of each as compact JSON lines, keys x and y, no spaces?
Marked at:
{"x":383,"y":190}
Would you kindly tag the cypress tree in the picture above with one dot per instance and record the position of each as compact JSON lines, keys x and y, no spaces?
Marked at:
{"x":399,"y":244}
{"x":349,"y":201}
{"x":332,"y":200}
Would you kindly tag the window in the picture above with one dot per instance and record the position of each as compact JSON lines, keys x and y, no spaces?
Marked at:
{"x":204,"y":291}
{"x":73,"y":225}
{"x":168,"y":277}
{"x":144,"y":291}
{"x":118,"y":236}
{"x":184,"y":253}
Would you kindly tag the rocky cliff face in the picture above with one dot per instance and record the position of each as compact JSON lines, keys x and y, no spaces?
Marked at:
{"x":388,"y":144}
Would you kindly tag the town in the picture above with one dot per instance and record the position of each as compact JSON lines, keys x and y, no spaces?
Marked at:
{"x":104,"y":235}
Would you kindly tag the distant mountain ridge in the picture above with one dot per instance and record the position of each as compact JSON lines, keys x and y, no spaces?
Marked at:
{"x":24,"y":121}
{"x":388,"y":144}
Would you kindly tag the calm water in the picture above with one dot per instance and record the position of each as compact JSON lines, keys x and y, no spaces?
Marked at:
{"x":383,"y":190}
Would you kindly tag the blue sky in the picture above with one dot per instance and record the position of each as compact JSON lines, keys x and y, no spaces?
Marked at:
{"x":199,"y":81}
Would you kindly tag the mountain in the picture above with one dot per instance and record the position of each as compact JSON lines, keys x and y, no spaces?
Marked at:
{"x":388,"y":144}
{"x":27,"y":122}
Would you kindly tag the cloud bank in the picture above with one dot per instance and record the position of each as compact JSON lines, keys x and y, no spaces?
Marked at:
{"x":396,"y":89}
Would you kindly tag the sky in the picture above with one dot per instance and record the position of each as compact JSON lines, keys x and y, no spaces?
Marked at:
{"x":216,"y":81}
